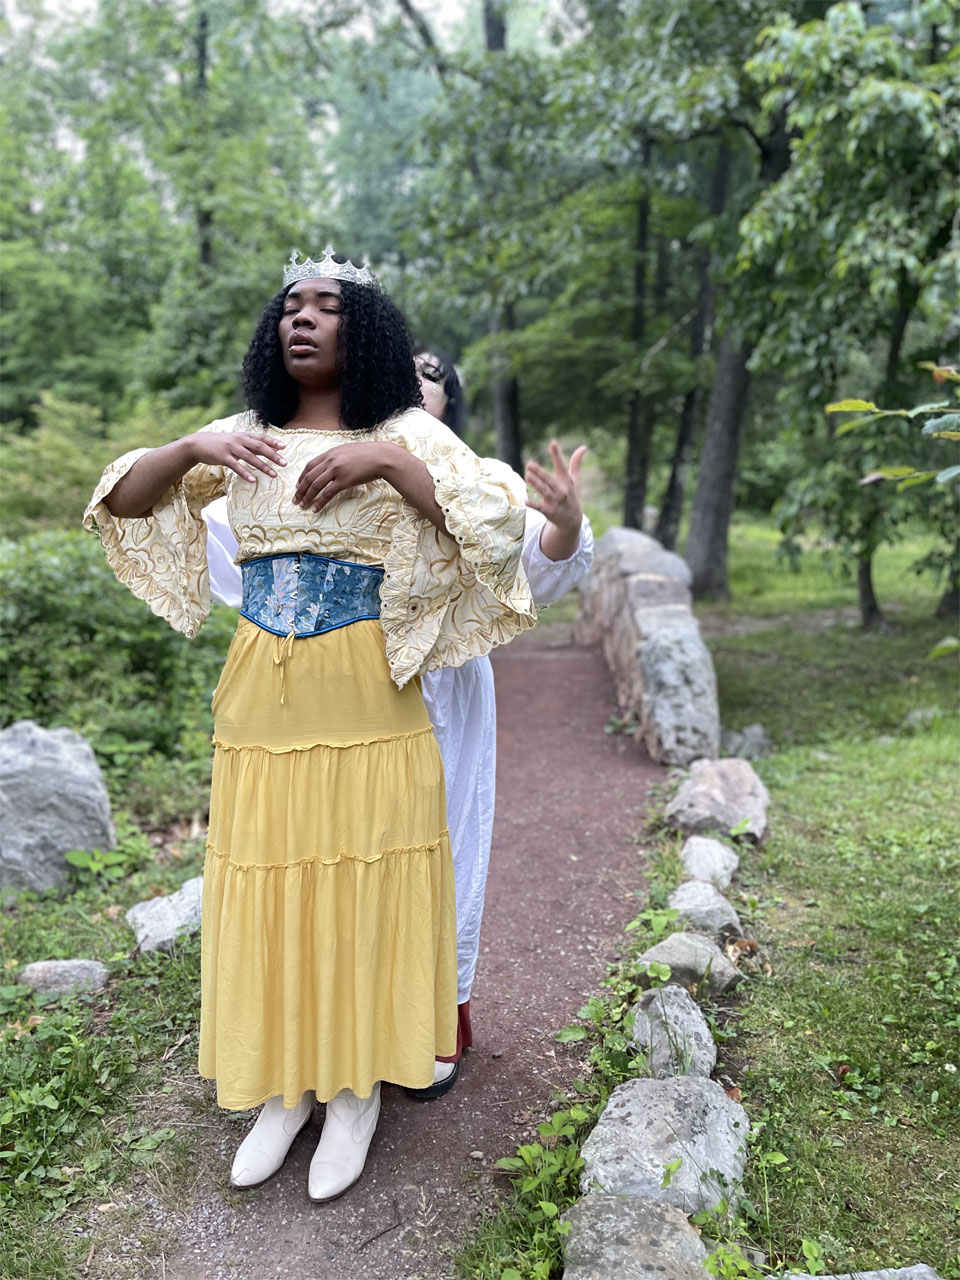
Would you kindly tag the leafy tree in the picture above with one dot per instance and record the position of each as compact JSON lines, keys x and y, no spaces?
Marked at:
{"x":856,"y":239}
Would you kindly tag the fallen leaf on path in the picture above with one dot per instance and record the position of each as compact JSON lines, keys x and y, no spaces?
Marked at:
{"x":737,"y":948}
{"x":168,"y":1053}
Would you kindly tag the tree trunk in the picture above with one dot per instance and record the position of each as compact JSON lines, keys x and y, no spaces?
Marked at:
{"x":204,"y":206}
{"x":870,"y":614}
{"x":494,"y":26}
{"x":717,"y":472}
{"x":671,"y":508}
{"x":706,"y":550}
{"x":505,"y":392}
{"x":638,"y":416}
{"x":504,"y":387}
{"x":949,"y":606}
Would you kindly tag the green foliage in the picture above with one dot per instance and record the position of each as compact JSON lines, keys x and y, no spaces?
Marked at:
{"x":58,"y":1076}
{"x":51,"y":471}
{"x":107,"y":865}
{"x":728,"y":1262}
{"x":135,"y":688}
{"x":847,"y":260}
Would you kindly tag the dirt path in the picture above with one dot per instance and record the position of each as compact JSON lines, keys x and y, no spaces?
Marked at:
{"x":563,"y":871}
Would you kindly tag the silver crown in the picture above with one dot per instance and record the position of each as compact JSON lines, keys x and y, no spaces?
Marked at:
{"x":327,"y":268}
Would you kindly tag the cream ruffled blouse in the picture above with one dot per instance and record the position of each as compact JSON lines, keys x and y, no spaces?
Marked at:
{"x":445,"y":598}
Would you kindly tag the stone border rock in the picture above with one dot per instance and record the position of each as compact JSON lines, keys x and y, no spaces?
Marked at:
{"x":157,"y":923}
{"x":674,"y":1141}
{"x":673,"y":1137}
{"x":636,"y":603}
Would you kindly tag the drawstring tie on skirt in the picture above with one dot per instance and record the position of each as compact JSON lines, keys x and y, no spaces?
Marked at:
{"x":282,"y":649}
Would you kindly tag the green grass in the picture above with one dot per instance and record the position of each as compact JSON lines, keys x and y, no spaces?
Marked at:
{"x":763,"y":583}
{"x":90,"y":1103}
{"x":835,"y":683}
{"x":850,"y":1045}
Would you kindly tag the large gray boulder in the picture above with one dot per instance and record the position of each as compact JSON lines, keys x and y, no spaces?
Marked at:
{"x":650,"y":1124}
{"x":719,"y":795}
{"x":706,"y":859}
{"x":52,"y":799}
{"x":628,"y":1239}
{"x":158,"y":922}
{"x":705,"y":907}
{"x":695,"y":962}
{"x":60,"y":976}
{"x":673,"y":1034}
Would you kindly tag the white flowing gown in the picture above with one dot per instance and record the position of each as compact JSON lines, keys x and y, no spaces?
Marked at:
{"x":462,"y":708}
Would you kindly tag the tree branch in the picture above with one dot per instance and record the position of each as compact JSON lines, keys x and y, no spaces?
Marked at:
{"x":747,"y":127}
{"x":662,"y":342}
{"x":426,"y":35}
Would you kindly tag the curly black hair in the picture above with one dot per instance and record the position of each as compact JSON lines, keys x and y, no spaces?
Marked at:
{"x":375,"y":354}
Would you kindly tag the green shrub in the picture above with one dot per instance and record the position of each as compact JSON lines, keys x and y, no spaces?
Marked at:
{"x":50,"y":471}
{"x":77,"y":649}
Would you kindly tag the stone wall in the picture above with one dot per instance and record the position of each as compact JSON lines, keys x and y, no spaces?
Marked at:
{"x":636,"y":602}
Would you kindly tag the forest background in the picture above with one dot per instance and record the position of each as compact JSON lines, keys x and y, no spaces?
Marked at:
{"x":674,"y":229}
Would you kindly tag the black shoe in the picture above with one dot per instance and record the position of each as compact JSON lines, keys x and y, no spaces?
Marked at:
{"x":435,"y":1090}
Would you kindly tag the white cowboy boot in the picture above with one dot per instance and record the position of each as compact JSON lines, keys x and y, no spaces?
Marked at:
{"x":265,"y":1147}
{"x":344,"y":1143}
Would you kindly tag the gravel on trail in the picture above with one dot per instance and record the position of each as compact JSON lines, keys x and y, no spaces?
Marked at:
{"x":563,"y":874}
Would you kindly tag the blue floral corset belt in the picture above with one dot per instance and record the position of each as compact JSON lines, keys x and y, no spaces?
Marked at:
{"x":305,"y":595}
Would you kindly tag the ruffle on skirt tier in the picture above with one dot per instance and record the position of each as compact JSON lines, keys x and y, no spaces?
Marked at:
{"x":329,"y":930}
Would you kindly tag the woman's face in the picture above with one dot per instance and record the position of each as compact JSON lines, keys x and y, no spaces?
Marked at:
{"x":309,"y":330}
{"x":431,"y":376}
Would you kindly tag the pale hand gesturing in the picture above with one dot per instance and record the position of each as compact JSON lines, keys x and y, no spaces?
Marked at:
{"x":559,"y":502}
{"x":560,"y":491}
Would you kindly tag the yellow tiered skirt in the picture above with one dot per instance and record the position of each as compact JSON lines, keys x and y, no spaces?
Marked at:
{"x":329,"y":920}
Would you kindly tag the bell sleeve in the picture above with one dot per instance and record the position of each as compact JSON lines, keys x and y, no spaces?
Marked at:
{"x":162,"y":557}
{"x":451,"y":596}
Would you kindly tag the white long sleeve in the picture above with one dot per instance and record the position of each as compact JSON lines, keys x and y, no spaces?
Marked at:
{"x":551,"y":579}
{"x":226,"y":582}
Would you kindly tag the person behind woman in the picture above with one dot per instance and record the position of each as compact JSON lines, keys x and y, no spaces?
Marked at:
{"x":557,"y":553}
{"x":373,"y":545}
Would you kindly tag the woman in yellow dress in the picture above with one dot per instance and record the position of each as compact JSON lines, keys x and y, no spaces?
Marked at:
{"x":374,"y":545}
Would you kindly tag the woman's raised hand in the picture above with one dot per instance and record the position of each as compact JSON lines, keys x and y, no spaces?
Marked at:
{"x":559,"y":492}
{"x":239,"y":451}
